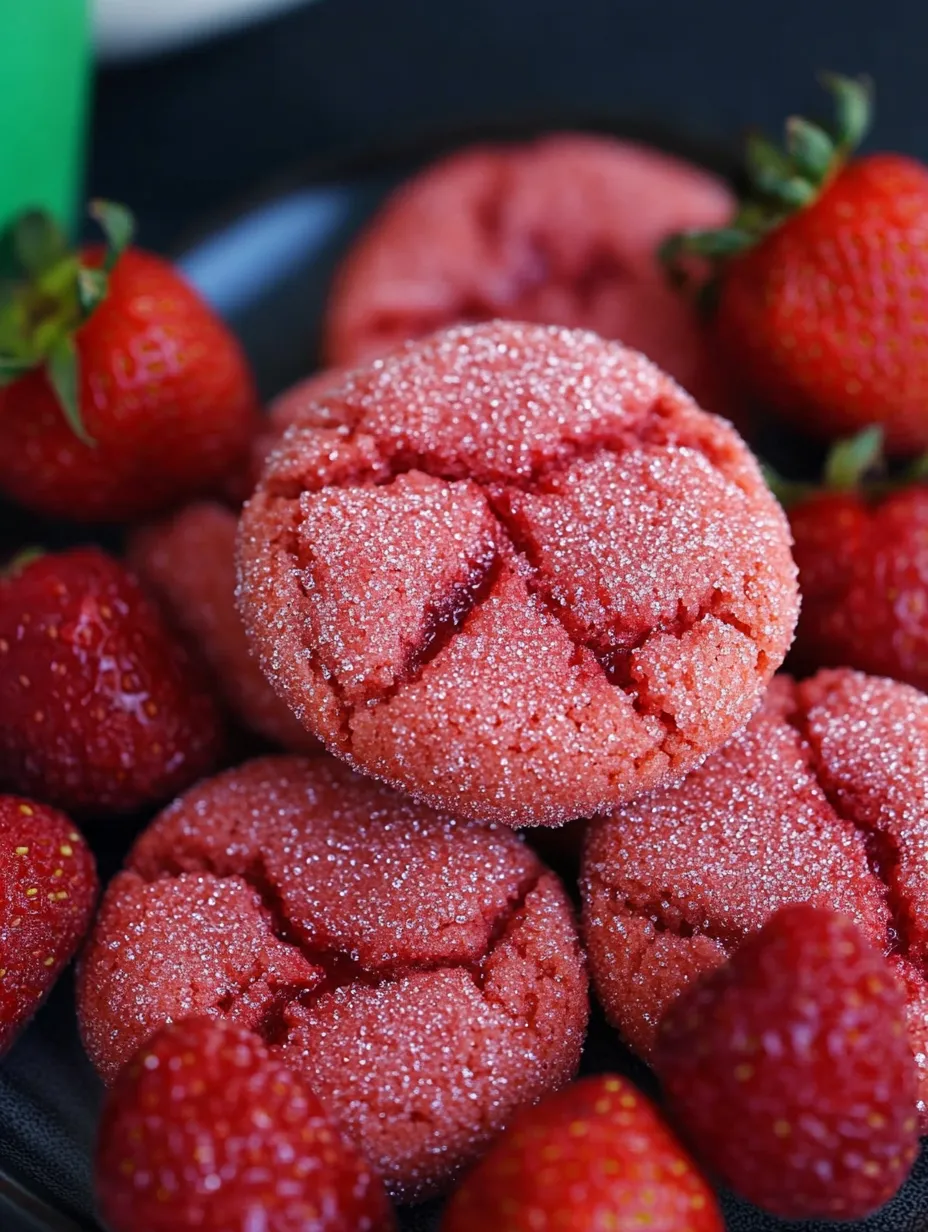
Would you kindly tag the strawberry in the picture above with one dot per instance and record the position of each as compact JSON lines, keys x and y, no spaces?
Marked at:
{"x":594,"y":1155}
{"x":121,"y":392}
{"x":48,"y":886}
{"x":862,"y":552}
{"x":101,"y":709}
{"x":822,"y":293}
{"x":205,"y":1130}
{"x":789,"y":1069}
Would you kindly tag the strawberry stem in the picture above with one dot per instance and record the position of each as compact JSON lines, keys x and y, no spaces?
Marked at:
{"x":851,"y":460}
{"x":783,"y":180}
{"x":853,"y":100}
{"x":51,"y":296}
{"x":22,"y":560}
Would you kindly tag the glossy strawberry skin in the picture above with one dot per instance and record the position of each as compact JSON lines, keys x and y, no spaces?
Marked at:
{"x":863,"y":573}
{"x":48,"y":886}
{"x":826,"y":319}
{"x":204,"y":1131}
{"x":101,"y":709}
{"x":165,"y":392}
{"x":789,"y":1071}
{"x":594,"y":1155}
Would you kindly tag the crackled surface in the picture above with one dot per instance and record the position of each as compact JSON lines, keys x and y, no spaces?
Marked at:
{"x":516,"y":572}
{"x":822,"y":798}
{"x":563,"y":231}
{"x":424,"y":973}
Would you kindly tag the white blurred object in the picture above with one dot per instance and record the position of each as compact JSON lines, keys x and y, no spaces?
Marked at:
{"x":130,"y":28}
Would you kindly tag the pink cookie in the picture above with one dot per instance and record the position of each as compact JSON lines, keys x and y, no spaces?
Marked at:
{"x":562,"y":230}
{"x":423,"y":973}
{"x":823,"y":798}
{"x":188,"y":563}
{"x":519,"y":575}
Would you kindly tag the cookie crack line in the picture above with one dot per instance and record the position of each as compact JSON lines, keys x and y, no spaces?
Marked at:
{"x":653,"y":909}
{"x":880,"y":846}
{"x":447,"y":615}
{"x":338,"y":968}
{"x":616,"y":662}
{"x":651,"y":427}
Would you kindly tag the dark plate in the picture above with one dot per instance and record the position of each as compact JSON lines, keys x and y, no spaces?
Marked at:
{"x":266,"y":270}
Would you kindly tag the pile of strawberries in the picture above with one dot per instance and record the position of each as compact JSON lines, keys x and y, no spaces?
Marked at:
{"x":786,"y":1073}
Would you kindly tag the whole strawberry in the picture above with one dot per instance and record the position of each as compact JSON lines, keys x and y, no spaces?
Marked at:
{"x":595,"y":1155}
{"x":862,"y":552}
{"x":121,"y":392}
{"x":48,"y":886}
{"x":789,"y":1071}
{"x":101,"y":709}
{"x":205,"y":1131}
{"x":822,"y":304}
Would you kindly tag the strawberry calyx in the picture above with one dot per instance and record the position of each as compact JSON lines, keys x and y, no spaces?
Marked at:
{"x":47,"y":294}
{"x":782,"y":180}
{"x":20,"y":562}
{"x":857,"y":465}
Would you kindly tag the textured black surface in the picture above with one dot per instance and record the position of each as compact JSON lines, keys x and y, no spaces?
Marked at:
{"x":48,"y":1094}
{"x":179,"y":137}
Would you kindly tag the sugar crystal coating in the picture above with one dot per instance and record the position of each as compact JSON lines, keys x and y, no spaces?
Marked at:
{"x":187,"y":561}
{"x":822,"y":798}
{"x":424,"y":973}
{"x":562,"y":231}
{"x":516,"y":573}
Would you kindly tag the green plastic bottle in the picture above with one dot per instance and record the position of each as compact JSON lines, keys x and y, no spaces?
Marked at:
{"x":44,"y":78}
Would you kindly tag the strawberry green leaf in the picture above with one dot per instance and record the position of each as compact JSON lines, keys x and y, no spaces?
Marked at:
{"x":12,"y":368}
{"x":118,"y":226}
{"x":22,"y":560}
{"x":787,"y":491}
{"x":92,"y":288}
{"x":810,"y":147}
{"x":64,"y":374}
{"x":38,"y":242}
{"x":853,"y":98}
{"x":850,"y":460}
{"x":918,"y":471}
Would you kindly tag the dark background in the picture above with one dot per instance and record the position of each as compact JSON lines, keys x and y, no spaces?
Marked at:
{"x":189,"y":136}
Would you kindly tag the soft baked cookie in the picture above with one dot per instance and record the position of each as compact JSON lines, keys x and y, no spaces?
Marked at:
{"x":187,"y":561}
{"x":424,"y":973}
{"x":563,"y":230}
{"x":823,"y":798}
{"x":520,"y":575}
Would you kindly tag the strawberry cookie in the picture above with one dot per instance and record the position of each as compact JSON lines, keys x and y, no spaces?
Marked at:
{"x":423,"y":974}
{"x":188,"y":563}
{"x":519,"y":575}
{"x":823,"y":798}
{"x":562,"y":230}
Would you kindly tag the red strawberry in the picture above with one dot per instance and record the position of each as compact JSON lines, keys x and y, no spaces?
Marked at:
{"x":204,"y":1130}
{"x":823,"y":292}
{"x":125,"y":394}
{"x":862,"y":552}
{"x":48,"y":885}
{"x":789,"y":1069}
{"x":101,"y":709}
{"x":594,"y":1155}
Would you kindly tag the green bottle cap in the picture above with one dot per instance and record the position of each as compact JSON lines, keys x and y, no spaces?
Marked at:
{"x":44,"y":78}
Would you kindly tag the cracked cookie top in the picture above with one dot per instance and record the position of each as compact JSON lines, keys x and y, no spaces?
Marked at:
{"x":823,"y":798}
{"x":514,"y":571}
{"x":563,"y":230}
{"x":423,"y":972}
